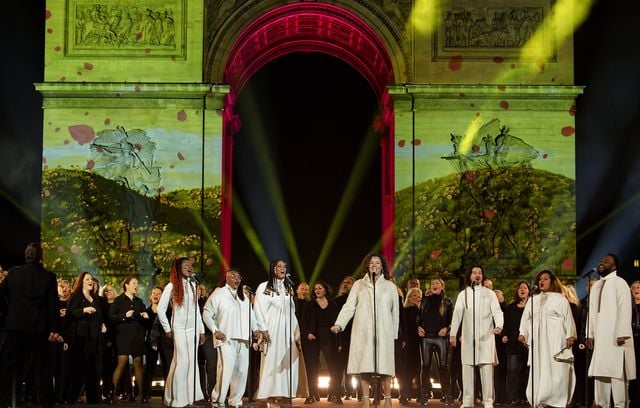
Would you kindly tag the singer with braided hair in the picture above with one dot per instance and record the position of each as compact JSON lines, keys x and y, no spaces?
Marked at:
{"x":184,"y":328}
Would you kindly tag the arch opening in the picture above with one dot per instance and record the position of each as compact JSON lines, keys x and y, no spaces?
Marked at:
{"x":311,"y":28}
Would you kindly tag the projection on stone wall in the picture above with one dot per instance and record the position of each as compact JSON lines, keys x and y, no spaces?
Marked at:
{"x":125,"y":200}
{"x":488,"y":195}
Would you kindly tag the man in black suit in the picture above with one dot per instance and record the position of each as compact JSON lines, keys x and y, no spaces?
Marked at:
{"x":31,"y":293}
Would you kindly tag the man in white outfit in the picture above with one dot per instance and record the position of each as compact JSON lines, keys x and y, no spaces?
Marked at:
{"x":610,"y":335}
{"x":228,"y":315}
{"x":478,"y":311}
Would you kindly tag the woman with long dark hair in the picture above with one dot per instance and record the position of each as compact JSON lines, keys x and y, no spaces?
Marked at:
{"x":517,"y":372}
{"x":187,"y":331}
{"x":276,"y":318}
{"x":129,"y":315}
{"x":374,"y":317}
{"x":319,"y":315}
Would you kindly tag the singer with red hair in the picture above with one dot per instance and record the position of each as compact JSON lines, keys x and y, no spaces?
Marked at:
{"x":185,"y":328}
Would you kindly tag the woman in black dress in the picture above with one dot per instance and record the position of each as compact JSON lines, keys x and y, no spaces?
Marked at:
{"x":517,"y":353}
{"x":318,"y":316}
{"x":128,"y":314}
{"x":85,"y":327}
{"x":410,"y":369}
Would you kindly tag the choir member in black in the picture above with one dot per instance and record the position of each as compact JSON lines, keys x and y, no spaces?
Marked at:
{"x":579,"y":368}
{"x":207,"y":354}
{"x":84,"y":332}
{"x":60,"y":351}
{"x":109,"y":359}
{"x":344,"y":340}
{"x":30,"y":295}
{"x":500,"y":370}
{"x":151,"y":353}
{"x":517,"y":371}
{"x":129,"y":315}
{"x":410,"y":368}
{"x":434,"y":321}
{"x":318,"y":317}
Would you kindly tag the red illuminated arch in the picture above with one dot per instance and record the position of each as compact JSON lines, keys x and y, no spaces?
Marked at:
{"x":311,"y":27}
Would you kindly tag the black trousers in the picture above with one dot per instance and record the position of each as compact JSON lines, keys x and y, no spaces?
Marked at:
{"x":437,"y":346}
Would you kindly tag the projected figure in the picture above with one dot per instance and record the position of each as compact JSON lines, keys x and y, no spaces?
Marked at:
{"x":366,"y":355}
{"x":478,"y":311}
{"x":275,"y":314}
{"x":610,"y":335}
{"x":185,"y":329}
{"x":550,"y":337}
{"x":227,"y":314}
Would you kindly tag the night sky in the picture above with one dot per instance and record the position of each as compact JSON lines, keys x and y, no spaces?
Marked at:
{"x":607,"y":62}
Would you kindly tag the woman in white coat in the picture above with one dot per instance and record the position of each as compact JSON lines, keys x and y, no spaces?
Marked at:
{"x":551,"y":375}
{"x":185,"y":329}
{"x":367,"y":357}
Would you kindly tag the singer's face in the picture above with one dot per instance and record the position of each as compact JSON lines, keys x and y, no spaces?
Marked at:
{"x":319,"y":291}
{"x":280,"y":270}
{"x":606,"y":265}
{"x":155,"y":296}
{"x":375,"y":263}
{"x":635,"y":291}
{"x":544,"y":283}
{"x":87,"y":282}
{"x":523,"y":291}
{"x":436,"y":287}
{"x":132,"y":287}
{"x":476,"y":274}
{"x":185,"y":268}
{"x":303,"y":291}
{"x":233,"y":279}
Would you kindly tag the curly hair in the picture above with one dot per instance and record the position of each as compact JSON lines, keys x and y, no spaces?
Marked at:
{"x":383,"y":261}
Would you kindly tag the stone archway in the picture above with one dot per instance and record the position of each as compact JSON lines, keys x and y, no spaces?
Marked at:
{"x":311,"y":27}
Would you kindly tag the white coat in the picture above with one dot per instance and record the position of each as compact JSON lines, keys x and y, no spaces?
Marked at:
{"x":359,"y":305}
{"x":553,"y":381}
{"x":487,"y":313}
{"x":613,"y":320}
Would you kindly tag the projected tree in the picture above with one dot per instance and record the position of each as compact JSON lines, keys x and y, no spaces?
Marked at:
{"x":496,"y":209}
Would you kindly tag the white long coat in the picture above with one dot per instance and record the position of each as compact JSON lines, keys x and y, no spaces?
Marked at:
{"x":553,"y":381}
{"x":186,"y":325}
{"x":487,"y":312}
{"x":359,"y":305}
{"x":613,"y":321}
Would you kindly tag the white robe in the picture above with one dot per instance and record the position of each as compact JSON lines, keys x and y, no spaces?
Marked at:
{"x":553,"y":381}
{"x":613,"y":321}
{"x":359,"y":305}
{"x":275,"y":312}
{"x":487,"y":313}
{"x":186,"y":326}
{"x":226,"y":313}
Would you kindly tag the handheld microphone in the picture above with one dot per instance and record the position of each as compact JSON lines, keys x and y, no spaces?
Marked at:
{"x":287,"y":279}
{"x":195,"y":278}
{"x":248,"y":289}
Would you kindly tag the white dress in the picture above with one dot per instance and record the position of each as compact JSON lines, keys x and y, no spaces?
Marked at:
{"x":186,"y":326}
{"x":275,"y":312}
{"x":359,"y":305}
{"x":553,"y":381}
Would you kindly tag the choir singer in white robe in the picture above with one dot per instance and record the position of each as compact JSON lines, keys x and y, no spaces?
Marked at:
{"x":478,"y":311}
{"x":551,"y":375}
{"x":228,"y":314}
{"x":610,"y":335}
{"x":276,"y":317}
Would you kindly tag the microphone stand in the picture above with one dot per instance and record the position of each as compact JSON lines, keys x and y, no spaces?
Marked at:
{"x":473,"y":331}
{"x":533,"y":376}
{"x":375,"y":378}
{"x":195,"y":333}
{"x":289,"y":288}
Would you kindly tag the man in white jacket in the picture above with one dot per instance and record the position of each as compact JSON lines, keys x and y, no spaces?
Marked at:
{"x":478,"y":311}
{"x":610,"y":335}
{"x":228,"y":315}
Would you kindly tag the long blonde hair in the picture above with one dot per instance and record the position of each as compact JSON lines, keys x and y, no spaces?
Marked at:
{"x":441,"y":308}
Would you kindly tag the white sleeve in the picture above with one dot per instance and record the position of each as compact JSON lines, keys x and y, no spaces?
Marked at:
{"x":165,"y":298}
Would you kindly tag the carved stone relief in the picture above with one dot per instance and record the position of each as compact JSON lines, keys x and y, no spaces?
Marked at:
{"x":125,"y":28}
